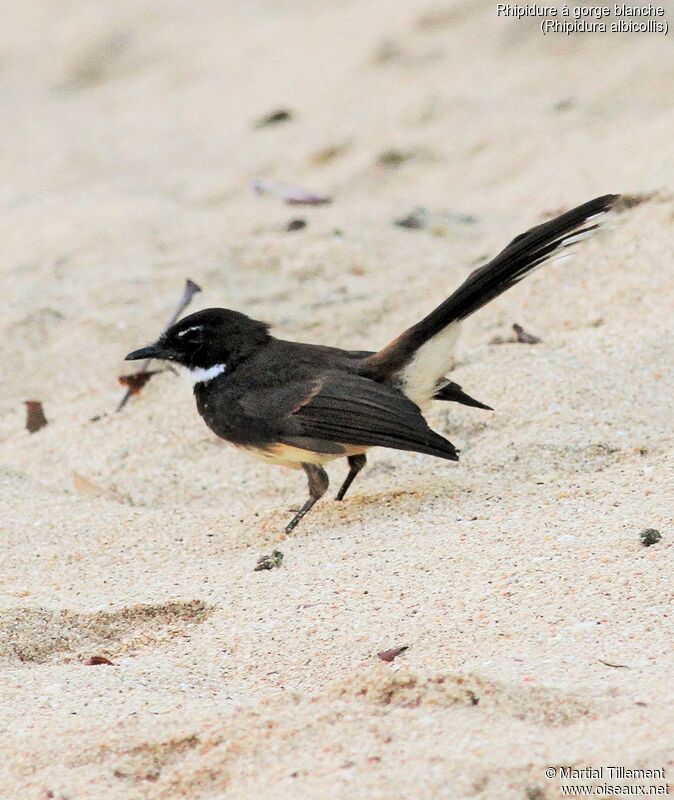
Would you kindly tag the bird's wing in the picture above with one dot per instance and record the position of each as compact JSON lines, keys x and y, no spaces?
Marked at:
{"x":346,"y":409}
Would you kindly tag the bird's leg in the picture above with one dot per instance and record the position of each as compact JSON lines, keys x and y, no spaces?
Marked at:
{"x":356,"y":463}
{"x":318,"y":486}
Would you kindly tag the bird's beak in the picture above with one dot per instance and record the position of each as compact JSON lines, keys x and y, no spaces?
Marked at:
{"x":153,"y":351}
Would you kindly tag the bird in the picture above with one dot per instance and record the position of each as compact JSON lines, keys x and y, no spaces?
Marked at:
{"x":303,"y":405}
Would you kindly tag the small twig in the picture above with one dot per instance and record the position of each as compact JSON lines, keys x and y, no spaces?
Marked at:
{"x":191,"y":288}
{"x":615,"y":666}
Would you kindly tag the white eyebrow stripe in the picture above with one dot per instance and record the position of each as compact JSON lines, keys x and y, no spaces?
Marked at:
{"x":187,"y":330}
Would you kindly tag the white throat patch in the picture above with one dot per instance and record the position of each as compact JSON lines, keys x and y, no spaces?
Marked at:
{"x":197,"y":375}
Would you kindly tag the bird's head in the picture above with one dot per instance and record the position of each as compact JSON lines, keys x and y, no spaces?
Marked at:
{"x":214,"y":340}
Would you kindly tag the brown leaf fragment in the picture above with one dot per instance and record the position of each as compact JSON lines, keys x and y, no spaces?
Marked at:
{"x":35,"y":418}
{"x":94,"y":661}
{"x":137,"y":380}
{"x":393,"y":653}
{"x":522,"y":337}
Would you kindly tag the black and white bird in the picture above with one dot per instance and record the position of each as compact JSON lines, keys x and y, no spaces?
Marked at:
{"x":302,"y":405}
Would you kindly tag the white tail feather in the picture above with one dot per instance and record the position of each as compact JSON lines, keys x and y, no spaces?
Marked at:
{"x":429,"y":364}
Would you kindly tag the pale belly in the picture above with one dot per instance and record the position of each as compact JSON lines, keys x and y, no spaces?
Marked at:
{"x":286,"y":455}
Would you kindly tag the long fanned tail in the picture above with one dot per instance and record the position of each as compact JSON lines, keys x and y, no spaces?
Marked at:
{"x":526,"y":252}
{"x":436,"y":331}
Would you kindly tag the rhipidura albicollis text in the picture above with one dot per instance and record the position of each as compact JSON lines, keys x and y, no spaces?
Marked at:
{"x":302,"y":405}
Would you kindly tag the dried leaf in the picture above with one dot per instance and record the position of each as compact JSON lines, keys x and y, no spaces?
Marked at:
{"x":137,"y":380}
{"x":94,"y":661}
{"x":293,"y":195}
{"x":392,"y":654}
{"x":35,"y":418}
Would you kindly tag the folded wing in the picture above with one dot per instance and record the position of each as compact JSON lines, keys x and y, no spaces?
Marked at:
{"x":352,"y":410}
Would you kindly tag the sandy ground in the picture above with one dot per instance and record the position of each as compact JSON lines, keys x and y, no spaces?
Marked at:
{"x":539,"y":629}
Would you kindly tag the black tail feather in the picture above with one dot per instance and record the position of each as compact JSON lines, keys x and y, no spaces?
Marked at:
{"x":454,"y":393}
{"x":521,"y":256}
